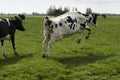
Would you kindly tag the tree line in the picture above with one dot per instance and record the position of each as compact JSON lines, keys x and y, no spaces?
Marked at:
{"x":53,"y":11}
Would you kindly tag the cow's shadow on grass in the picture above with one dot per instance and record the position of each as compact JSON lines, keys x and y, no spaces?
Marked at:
{"x":82,"y":60}
{"x":13,"y":59}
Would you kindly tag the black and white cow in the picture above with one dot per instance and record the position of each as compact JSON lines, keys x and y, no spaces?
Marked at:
{"x":61,"y":26}
{"x":93,"y":18}
{"x":7,"y":31}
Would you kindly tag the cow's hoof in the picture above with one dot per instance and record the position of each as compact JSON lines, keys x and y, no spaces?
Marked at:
{"x":4,"y":55}
{"x":44,"y":56}
{"x":79,"y":40}
{"x":87,"y":37}
{"x":15,"y":53}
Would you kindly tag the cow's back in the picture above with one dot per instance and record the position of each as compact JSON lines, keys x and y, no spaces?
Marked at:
{"x":71,"y":14}
{"x":4,"y":29}
{"x":70,"y":23}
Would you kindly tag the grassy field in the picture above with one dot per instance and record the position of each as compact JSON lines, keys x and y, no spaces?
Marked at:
{"x":97,"y":58}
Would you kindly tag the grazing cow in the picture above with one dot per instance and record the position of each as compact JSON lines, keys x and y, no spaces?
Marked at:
{"x":7,"y":31}
{"x":61,"y":26}
{"x":93,"y":18}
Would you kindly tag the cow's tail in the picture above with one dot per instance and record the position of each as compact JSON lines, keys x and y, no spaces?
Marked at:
{"x":46,"y":18}
{"x":46,"y":26}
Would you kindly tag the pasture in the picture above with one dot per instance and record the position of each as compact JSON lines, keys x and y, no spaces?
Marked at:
{"x":97,"y":58}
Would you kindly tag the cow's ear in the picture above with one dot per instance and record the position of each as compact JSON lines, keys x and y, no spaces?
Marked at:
{"x":46,"y":18}
{"x":16,"y":17}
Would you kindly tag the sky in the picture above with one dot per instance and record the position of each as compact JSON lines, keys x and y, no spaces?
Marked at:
{"x":41,"y":6}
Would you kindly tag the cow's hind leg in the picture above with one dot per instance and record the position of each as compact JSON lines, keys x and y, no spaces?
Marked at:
{"x":79,"y":39}
{"x":3,"y":48}
{"x":13,"y":44}
{"x":51,"y":42}
{"x":44,"y":45}
{"x":89,"y":32}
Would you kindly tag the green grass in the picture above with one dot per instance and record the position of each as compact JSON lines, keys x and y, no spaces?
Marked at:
{"x":97,"y":58}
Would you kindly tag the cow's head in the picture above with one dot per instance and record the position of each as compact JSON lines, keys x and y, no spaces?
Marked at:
{"x":92,"y":18}
{"x":18,"y":24}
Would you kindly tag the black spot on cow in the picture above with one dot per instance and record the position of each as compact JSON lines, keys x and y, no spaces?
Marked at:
{"x":70,"y":26}
{"x":89,"y":20}
{"x":65,"y":22}
{"x":56,"y":25}
{"x":75,"y":20}
{"x":69,"y":19}
{"x":83,"y":24}
{"x":48,"y":23}
{"x":60,"y":24}
{"x":79,"y":12}
{"x":73,"y":26}
{"x":51,"y":26}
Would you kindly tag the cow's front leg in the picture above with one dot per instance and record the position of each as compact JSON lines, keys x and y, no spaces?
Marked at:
{"x":13,"y":44}
{"x":3,"y":48}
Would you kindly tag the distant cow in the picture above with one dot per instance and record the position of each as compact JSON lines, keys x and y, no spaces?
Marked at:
{"x":61,"y":26}
{"x":93,"y":18}
{"x":7,"y":31}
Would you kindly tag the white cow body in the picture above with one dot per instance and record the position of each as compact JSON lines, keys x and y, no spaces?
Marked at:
{"x":61,"y":26}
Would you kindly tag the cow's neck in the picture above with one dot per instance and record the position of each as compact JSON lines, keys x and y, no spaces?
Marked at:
{"x":12,"y":26}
